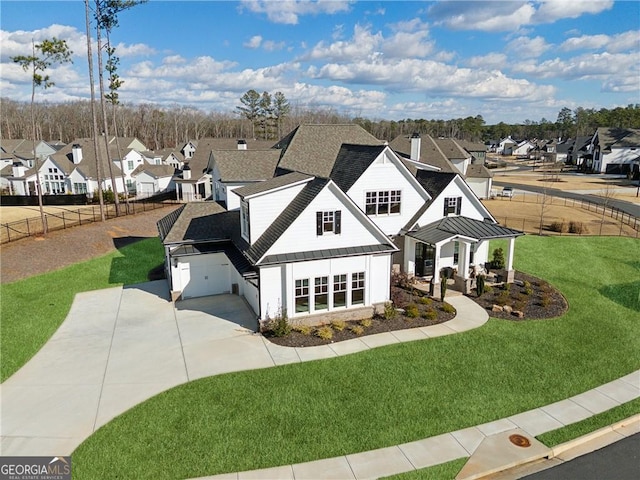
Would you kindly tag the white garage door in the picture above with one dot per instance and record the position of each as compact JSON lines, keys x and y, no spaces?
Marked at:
{"x":147,"y":188}
{"x":205,"y":275}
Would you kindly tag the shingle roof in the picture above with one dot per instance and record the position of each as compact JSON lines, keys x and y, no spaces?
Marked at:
{"x":64,"y":158}
{"x":13,"y":145}
{"x":198,"y":222}
{"x":246,"y":165}
{"x":291,"y":212}
{"x":472,"y":146}
{"x":618,"y":137}
{"x":271,"y":184}
{"x":434,"y":182}
{"x":430,"y":153}
{"x":451,"y":149}
{"x":156,"y":171}
{"x":477,"y":170}
{"x":313,"y":149}
{"x":351,"y":162}
{"x":468,"y":227}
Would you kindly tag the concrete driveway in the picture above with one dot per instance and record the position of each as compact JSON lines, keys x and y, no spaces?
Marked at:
{"x":117,"y":348}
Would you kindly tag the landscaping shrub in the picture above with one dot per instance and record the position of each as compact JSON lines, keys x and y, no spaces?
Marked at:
{"x":398,"y":297}
{"x":366,"y":322}
{"x":412,"y":311}
{"x":448,"y":308}
{"x":488,"y":288}
{"x":357,"y":329}
{"x":425,"y":301}
{"x":279,"y":325}
{"x":443,"y":286}
{"x":325,"y":332}
{"x":480,"y":285}
{"x":402,"y":280}
{"x":528,"y":289}
{"x":558,"y":226}
{"x":338,"y":325}
{"x":498,"y":259}
{"x":303,"y":329}
{"x":389,"y":311}
{"x":430,"y":314}
{"x":545,"y":300}
{"x":577,"y":227}
{"x":520,"y":305}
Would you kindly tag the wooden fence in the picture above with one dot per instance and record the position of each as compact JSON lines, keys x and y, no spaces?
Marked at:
{"x":13,"y":231}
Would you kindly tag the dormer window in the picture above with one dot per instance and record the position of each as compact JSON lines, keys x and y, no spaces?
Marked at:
{"x":329,"y":222}
{"x":244,"y":220}
{"x":452,"y":205}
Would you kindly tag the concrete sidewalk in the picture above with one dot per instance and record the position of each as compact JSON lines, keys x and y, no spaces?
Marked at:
{"x":121,"y":346}
{"x":486,"y":444}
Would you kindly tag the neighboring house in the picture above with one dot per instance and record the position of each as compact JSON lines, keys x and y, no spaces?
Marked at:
{"x":189,"y":149}
{"x":323,"y":236}
{"x":579,"y":153}
{"x":506,"y":146}
{"x":615,"y":150}
{"x":171,"y":157}
{"x":523,"y":148}
{"x":232,"y":169}
{"x":153,"y":179}
{"x":477,"y":150}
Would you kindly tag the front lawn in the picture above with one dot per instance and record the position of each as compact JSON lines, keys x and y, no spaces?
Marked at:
{"x":33,"y":309}
{"x":395,"y":394}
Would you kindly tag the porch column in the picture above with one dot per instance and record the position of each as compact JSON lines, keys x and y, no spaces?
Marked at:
{"x":435,"y":280}
{"x":509,"y":265}
{"x":463,"y":283}
{"x":409,"y":256}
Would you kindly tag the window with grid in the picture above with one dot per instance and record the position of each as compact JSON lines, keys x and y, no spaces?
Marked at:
{"x":130,"y":164}
{"x":456,"y":252}
{"x":321,"y":293}
{"x":357,"y":288}
{"x":328,"y":222}
{"x":339,"y":291}
{"x":302,"y":295}
{"x":244,"y":218}
{"x":452,"y":205}
{"x":383,"y":202}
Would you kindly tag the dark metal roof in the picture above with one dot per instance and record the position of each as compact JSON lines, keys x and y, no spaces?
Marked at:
{"x":451,"y":227}
{"x":241,"y":264}
{"x":272,"y":184}
{"x":292,"y":211}
{"x":166,"y":223}
{"x":352,"y":161}
{"x":328,"y":253}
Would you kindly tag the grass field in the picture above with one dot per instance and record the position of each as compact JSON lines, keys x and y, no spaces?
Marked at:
{"x":395,"y":394}
{"x":32,"y":309}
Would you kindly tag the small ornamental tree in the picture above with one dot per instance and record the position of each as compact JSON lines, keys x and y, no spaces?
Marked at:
{"x":480,"y":284}
{"x":44,"y":54}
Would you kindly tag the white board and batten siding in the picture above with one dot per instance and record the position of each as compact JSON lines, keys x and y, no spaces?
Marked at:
{"x":386,"y":174}
{"x":480,"y":186}
{"x":302,"y":235}
{"x":278,"y":282}
{"x":264,"y":209}
{"x":471,"y":207}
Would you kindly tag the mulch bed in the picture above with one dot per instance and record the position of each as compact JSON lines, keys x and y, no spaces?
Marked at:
{"x":539,"y":301}
{"x":379,"y":324}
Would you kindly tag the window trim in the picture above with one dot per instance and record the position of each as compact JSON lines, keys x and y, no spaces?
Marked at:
{"x":322,"y":221}
{"x":245,"y":220}
{"x":358,"y":278}
{"x":383,"y":203}
{"x":452,"y":206}
{"x":324,"y":291}
{"x":342,"y":287}
{"x":299,"y":285}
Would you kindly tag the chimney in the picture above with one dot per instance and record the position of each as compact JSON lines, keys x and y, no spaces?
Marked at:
{"x":186,"y":173}
{"x":242,"y":145}
{"x":76,"y":151}
{"x":415,"y":147}
{"x":18,"y":169}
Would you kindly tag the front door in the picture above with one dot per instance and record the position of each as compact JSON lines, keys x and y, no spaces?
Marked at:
{"x":425,"y":259}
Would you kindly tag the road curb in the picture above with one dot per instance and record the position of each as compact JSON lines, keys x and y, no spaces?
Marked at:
{"x":589,"y":437}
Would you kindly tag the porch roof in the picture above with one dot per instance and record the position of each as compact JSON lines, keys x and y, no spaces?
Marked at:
{"x":451,"y":227}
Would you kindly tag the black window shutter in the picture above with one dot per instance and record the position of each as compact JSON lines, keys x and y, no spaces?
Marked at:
{"x":338,"y":217}
{"x":458,"y":205}
{"x":318,"y":223}
{"x":446,"y":206}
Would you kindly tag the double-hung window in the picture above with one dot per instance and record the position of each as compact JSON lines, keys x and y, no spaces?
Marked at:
{"x":302,"y":295}
{"x":452,"y":205}
{"x":321,"y":294}
{"x":357,"y":288}
{"x":329,"y":222}
{"x":339,"y":291}
{"x":244,"y":218}
{"x":383,"y":202}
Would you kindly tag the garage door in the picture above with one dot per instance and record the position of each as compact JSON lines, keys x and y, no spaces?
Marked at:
{"x":205,"y":275}
{"x":147,"y":188}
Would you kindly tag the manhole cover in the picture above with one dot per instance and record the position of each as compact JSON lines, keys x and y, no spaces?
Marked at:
{"x":519,"y":441}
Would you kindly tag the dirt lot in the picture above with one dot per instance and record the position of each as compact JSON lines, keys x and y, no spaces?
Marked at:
{"x":13,"y":214}
{"x":523,"y":212}
{"x":35,"y":255}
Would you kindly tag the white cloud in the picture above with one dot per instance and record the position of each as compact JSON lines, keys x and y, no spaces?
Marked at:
{"x":491,"y":61}
{"x":289,"y":11}
{"x":272,"y":46}
{"x":526,"y":47}
{"x":19,"y":42}
{"x":254,"y":42}
{"x":613,"y":43}
{"x":552,"y":10}
{"x":134,"y":50}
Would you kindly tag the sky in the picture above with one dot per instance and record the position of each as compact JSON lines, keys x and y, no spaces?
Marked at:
{"x":508,"y":61}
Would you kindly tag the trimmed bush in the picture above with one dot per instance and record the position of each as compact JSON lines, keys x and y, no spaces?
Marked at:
{"x":480,"y":285}
{"x":412,"y":311}
{"x":279,"y":325}
{"x":303,"y":329}
{"x":430,"y":314}
{"x":357,"y":329}
{"x":558,"y":226}
{"x":366,"y":322}
{"x":498,"y":259}
{"x":425,"y":301}
{"x":448,"y":308}
{"x":338,"y":325}
{"x":389,"y":311}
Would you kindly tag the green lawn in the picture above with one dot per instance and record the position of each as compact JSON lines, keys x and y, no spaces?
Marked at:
{"x":33,"y":309}
{"x":395,"y":394}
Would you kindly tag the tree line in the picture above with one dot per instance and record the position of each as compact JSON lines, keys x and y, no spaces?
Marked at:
{"x":172,"y":126}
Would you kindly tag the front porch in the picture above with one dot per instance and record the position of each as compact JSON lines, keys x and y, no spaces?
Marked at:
{"x":456,"y":249}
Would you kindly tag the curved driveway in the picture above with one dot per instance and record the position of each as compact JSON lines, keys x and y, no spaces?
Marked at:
{"x":121,"y":346}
